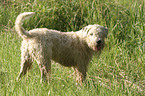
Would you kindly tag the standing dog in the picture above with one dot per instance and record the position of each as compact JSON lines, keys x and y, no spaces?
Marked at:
{"x":70,"y":49}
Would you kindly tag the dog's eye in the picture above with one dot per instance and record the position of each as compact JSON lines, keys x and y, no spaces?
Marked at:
{"x":91,"y":34}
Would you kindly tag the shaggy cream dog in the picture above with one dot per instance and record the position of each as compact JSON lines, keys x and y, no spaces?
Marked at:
{"x":70,"y":49}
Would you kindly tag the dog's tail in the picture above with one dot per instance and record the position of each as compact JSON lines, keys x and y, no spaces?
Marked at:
{"x":19,"y":22}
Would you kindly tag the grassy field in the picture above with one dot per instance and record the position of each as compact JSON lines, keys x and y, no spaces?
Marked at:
{"x":120,"y":69}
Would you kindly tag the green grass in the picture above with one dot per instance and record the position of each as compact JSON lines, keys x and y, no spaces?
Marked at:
{"x":120,"y":69}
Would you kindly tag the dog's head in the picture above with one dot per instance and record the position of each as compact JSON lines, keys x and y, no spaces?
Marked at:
{"x":94,"y":36}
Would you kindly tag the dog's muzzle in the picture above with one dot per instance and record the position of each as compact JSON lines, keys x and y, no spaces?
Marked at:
{"x":99,"y":45}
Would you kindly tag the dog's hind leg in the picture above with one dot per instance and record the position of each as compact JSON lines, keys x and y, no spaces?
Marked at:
{"x":44,"y":63}
{"x":45,"y":68}
{"x":26,"y":63}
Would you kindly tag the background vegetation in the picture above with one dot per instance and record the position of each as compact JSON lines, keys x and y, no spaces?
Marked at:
{"x":120,"y":70}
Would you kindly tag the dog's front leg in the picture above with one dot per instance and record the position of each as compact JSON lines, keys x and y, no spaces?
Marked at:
{"x":81,"y":74}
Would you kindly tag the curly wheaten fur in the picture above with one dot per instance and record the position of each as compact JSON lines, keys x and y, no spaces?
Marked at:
{"x":70,"y":49}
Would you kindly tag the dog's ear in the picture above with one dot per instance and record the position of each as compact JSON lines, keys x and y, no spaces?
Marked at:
{"x":105,"y":32}
{"x":104,"y":29}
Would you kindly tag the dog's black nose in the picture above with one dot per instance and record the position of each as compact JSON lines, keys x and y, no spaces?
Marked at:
{"x":99,"y":42}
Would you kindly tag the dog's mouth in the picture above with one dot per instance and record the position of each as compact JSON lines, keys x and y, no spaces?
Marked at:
{"x":98,"y":48}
